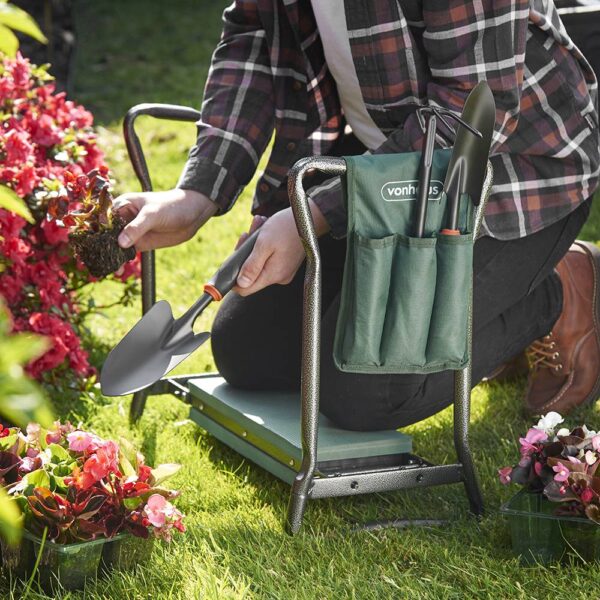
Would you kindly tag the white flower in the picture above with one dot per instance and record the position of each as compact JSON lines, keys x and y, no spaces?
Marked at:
{"x":548,"y":422}
{"x":562,"y":432}
{"x":590,"y":457}
{"x":588,"y":432}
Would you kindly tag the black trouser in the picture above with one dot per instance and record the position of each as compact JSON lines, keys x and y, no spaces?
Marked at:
{"x":517,"y":299}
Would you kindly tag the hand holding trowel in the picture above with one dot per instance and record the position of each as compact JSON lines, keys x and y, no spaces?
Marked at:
{"x":158,"y":342}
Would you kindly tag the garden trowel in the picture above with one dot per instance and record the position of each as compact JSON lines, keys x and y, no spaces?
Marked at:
{"x":468,"y":162}
{"x":159,"y":342}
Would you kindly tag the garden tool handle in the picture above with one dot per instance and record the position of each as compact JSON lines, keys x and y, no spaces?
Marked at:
{"x":215,"y":288}
{"x":224,"y":279}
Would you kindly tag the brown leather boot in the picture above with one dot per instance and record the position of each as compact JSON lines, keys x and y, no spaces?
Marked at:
{"x":565,"y":364}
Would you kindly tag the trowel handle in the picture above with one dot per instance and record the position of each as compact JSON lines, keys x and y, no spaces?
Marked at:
{"x":224,"y":279}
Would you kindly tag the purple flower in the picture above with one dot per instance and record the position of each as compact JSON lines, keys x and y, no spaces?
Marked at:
{"x":562,"y":473}
{"x":504,"y":475}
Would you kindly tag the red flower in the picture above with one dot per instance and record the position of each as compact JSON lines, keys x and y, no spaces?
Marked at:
{"x":54,"y":233}
{"x":45,"y":132}
{"x":38,"y":272}
{"x":25,"y":180}
{"x":17,"y":147}
{"x":144,"y":473}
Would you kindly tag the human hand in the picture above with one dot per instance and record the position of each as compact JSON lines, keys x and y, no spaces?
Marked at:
{"x":161,"y":219}
{"x":277,"y":253}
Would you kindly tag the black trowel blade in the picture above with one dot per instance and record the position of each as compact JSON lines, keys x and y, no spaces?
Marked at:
{"x":143,"y":356}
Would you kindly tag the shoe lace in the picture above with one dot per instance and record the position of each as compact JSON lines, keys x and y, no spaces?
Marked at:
{"x":543,"y":353}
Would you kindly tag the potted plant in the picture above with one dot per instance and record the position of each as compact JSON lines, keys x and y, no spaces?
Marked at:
{"x":94,"y":226}
{"x":87,"y":502}
{"x":557,"y":512}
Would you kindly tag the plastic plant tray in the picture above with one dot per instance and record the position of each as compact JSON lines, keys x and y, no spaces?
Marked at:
{"x":539,"y":536}
{"x":70,"y":566}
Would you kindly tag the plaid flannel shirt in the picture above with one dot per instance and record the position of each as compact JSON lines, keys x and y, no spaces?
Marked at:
{"x":268,"y":73}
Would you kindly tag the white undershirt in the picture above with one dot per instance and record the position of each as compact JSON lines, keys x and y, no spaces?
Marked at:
{"x":331,"y":23}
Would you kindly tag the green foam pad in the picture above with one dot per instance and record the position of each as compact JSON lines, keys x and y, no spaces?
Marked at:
{"x":272,"y":421}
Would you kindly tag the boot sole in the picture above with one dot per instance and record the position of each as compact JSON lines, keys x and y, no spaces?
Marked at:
{"x":594,"y":254}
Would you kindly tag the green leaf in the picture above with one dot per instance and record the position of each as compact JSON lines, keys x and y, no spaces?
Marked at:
{"x":16,"y":18}
{"x":22,"y":401}
{"x":9,"y":44}
{"x":126,"y":467}
{"x":9,"y":199}
{"x":8,"y":441}
{"x":10,"y":519}
{"x":132,"y":503}
{"x":35,"y":479}
{"x":163,"y":472}
{"x":59,"y":453}
{"x":20,"y":348}
{"x":128,"y":451}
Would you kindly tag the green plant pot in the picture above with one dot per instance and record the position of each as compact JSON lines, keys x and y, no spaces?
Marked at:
{"x":66,"y":565}
{"x":125,"y":552}
{"x":541,"y":537}
{"x":72,"y":565}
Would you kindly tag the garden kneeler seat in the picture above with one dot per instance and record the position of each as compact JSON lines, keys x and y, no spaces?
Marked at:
{"x":265,"y":427}
{"x":279,"y":431}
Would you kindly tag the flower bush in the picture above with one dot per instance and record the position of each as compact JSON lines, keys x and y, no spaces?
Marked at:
{"x":47,"y":145}
{"x":80,"y":487}
{"x":561,"y":465}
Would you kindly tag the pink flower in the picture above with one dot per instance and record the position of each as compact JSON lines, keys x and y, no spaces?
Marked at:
{"x":33,"y":432}
{"x":504,"y":475}
{"x":562,"y":473}
{"x":103,"y":462}
{"x":596,"y":443}
{"x":155,"y":510}
{"x":82,"y":441}
{"x":528,"y":443}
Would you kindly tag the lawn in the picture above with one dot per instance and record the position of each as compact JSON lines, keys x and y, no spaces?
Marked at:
{"x":235,"y":546}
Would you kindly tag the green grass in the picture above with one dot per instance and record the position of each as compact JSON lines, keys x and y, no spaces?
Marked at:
{"x":235,"y":547}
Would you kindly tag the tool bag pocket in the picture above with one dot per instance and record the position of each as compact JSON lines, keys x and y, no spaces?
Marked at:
{"x":404,"y":300}
{"x":409,"y":303}
{"x":447,"y":341}
{"x":371,"y":275}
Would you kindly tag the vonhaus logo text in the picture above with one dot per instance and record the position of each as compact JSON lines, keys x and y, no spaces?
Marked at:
{"x":403,"y":191}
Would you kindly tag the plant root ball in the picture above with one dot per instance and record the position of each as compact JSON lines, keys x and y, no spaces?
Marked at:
{"x":100,"y":251}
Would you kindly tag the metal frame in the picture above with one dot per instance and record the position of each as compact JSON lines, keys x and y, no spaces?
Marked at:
{"x":310,"y":482}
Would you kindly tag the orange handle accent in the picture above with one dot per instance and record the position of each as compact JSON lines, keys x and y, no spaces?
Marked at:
{"x":211,"y":290}
{"x":450,"y":231}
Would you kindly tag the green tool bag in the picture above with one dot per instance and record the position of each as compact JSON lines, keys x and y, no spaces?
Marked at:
{"x":404,"y":301}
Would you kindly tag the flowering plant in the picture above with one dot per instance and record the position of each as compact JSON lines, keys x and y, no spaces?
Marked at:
{"x":561,"y":465}
{"x":80,"y":486}
{"x":47,"y":145}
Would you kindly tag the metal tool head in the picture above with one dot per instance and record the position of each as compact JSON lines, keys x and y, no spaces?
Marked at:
{"x":468,"y":163}
{"x":149,"y":351}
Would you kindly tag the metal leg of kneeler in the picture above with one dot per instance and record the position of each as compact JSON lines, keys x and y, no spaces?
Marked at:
{"x":462,"y":417}
{"x":462,"y":387}
{"x":461,"y":439}
{"x":311,"y":333}
{"x":138,"y":403}
{"x":138,"y":162}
